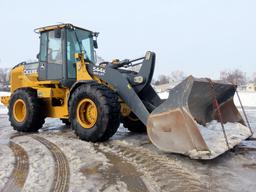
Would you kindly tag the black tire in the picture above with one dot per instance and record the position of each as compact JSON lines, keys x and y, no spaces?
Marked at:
{"x":34,"y":118}
{"x":133,"y":124}
{"x":108,"y":110}
{"x":66,"y":121}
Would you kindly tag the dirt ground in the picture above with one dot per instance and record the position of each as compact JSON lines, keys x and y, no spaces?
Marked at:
{"x":55,"y":160}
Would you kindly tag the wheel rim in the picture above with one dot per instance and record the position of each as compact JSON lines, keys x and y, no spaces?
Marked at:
{"x":87,"y":113}
{"x":19,"y":110}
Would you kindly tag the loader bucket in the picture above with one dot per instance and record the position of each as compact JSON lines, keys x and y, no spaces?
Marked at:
{"x":187,"y":122}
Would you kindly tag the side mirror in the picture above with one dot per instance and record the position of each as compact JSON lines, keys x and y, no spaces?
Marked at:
{"x":57,"y":33}
{"x":37,"y":56}
{"x":95,"y":44}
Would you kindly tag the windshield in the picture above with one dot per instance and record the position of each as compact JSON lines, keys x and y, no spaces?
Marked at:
{"x":78,"y":41}
{"x":81,"y":40}
{"x":85,"y":40}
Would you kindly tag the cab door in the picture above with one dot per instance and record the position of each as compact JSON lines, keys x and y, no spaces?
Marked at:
{"x":51,"y":57}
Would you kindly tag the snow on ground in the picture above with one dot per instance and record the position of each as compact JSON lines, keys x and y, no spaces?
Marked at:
{"x":248,"y":99}
{"x":164,"y":95}
{"x":4,"y":93}
{"x":213,"y":135}
{"x":3,"y":109}
{"x":6,"y":163}
{"x":83,"y":159}
{"x":41,"y":165}
{"x":120,"y":186}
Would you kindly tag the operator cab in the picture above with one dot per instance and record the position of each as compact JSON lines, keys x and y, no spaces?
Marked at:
{"x":58,"y":45}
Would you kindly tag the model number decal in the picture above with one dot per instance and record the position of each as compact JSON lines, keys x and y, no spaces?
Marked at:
{"x":98,"y":70}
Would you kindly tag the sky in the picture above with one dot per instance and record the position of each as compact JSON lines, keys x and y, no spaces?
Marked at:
{"x":197,"y":37}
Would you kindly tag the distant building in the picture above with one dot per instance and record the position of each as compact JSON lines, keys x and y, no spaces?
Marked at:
{"x":242,"y":87}
{"x":251,"y":87}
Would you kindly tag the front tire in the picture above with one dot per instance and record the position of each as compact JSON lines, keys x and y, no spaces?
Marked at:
{"x":94,"y":112}
{"x":133,"y":124}
{"x":25,"y":113}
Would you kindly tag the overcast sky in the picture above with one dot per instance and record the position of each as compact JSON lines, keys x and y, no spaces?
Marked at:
{"x":199,"y":37}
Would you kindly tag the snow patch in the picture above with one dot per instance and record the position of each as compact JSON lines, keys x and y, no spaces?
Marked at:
{"x":82,"y":155}
{"x":120,"y":186}
{"x":4,"y":93}
{"x":248,"y":99}
{"x":6,"y":164}
{"x":164,"y":95}
{"x":213,"y":135}
{"x":41,"y":165}
{"x":3,"y":109}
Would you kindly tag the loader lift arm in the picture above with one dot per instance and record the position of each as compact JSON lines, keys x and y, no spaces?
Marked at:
{"x":133,"y":88}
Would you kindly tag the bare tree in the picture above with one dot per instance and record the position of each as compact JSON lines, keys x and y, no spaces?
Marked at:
{"x":162,"y":79}
{"x":2,"y":75}
{"x":254,"y":77}
{"x":176,"y":76}
{"x":236,"y":77}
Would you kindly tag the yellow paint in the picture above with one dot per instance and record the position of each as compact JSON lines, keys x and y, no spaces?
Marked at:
{"x":48,"y":28}
{"x":46,"y":92}
{"x":19,"y":79}
{"x":61,"y":94}
{"x":81,"y":69}
{"x":19,"y":110}
{"x":53,"y":27}
{"x":86,"y":113}
{"x":57,"y":111}
{"x":129,"y":86}
{"x":5,"y":100}
{"x":125,"y":110}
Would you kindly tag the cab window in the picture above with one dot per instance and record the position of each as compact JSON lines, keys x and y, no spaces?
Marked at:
{"x":78,"y":41}
{"x":54,"y":48}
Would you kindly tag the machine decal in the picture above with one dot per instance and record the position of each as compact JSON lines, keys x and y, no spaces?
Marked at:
{"x":98,"y":70}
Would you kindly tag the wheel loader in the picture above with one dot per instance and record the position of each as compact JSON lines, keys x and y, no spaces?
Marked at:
{"x":67,"y":83}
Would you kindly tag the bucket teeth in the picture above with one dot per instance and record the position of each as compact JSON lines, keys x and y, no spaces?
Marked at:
{"x":174,"y":125}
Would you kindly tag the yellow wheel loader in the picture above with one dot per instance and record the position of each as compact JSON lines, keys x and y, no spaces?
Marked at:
{"x":66,"y":83}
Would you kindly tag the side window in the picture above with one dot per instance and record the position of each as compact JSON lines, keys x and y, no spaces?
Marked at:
{"x":72,"y":48}
{"x":87,"y":46}
{"x":54,"y":48}
{"x":43,"y":47}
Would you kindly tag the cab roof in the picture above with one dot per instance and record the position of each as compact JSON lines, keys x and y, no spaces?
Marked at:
{"x":60,"y":26}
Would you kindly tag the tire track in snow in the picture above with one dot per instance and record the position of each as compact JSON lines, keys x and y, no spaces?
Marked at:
{"x":165,"y":174}
{"x":125,"y":172}
{"x":62,"y":173}
{"x":20,"y":171}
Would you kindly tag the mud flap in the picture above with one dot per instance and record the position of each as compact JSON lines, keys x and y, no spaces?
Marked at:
{"x":174,"y":125}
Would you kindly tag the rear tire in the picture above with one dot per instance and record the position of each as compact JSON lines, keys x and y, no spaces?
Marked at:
{"x":133,"y":124}
{"x":25,"y":112}
{"x":105,"y":108}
